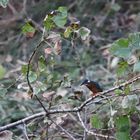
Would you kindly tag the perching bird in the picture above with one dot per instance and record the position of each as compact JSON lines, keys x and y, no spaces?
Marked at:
{"x":92,"y":86}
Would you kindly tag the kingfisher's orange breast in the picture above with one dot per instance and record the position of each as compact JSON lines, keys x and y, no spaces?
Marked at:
{"x":94,"y":88}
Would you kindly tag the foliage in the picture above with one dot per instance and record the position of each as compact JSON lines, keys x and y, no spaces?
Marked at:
{"x":4,"y":3}
{"x":123,"y":128}
{"x":125,"y":49}
{"x":68,"y":53}
{"x":28,"y":29}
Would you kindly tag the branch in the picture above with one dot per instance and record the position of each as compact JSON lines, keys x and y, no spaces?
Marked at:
{"x":64,"y":130}
{"x":91,"y":132}
{"x":77,"y":109}
{"x":22,"y":121}
{"x":29,"y":63}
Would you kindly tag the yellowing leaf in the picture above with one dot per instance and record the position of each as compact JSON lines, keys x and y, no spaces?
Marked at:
{"x":2,"y":71}
{"x":75,"y":25}
{"x":28,"y":30}
{"x":68,"y":32}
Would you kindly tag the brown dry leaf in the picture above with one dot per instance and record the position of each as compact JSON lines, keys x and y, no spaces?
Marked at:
{"x":59,"y":120}
{"x":6,"y":135}
{"x":132,"y":60}
{"x":78,"y":94}
{"x":8,"y":58}
{"x":105,"y":51}
{"x":30,"y":34}
{"x":53,"y":37}
{"x":30,"y":93}
{"x":23,"y":95}
{"x":48,"y":95}
{"x":58,"y":47}
{"x":48,"y":50}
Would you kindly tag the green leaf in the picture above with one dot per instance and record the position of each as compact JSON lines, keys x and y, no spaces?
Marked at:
{"x":84,"y":32}
{"x":24,"y":69}
{"x":42,"y":64}
{"x":2,"y":71}
{"x":59,"y":21}
{"x":3,"y":91}
{"x":118,"y":91}
{"x":122,"y":68}
{"x":43,"y":87}
{"x":63,"y":11}
{"x":116,"y":7}
{"x":123,"y":136}
{"x":32,"y":76}
{"x":123,"y":42}
{"x":136,"y":67}
{"x":123,"y":124}
{"x":61,"y":18}
{"x":4,"y":3}
{"x":28,"y":28}
{"x":134,"y":40}
{"x":68,"y":32}
{"x":96,"y":121}
{"x":123,"y":128}
{"x":37,"y":90}
{"x":120,"y":48}
{"x":127,"y":89}
{"x":49,"y":23}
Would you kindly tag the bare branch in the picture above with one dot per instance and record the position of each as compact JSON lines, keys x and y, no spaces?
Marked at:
{"x":25,"y":120}
{"x":25,"y":131}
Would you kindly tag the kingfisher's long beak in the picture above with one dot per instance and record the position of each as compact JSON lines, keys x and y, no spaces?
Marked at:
{"x":83,"y":84}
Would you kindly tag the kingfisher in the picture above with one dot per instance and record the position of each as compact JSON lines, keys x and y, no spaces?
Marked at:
{"x":93,"y":86}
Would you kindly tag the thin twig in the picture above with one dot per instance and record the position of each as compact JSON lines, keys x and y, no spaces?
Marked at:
{"x":12,"y":8}
{"x":64,"y":130}
{"x":91,"y":132}
{"x":25,"y":131}
{"x":85,"y":121}
{"x":24,"y":7}
{"x":29,"y":63}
